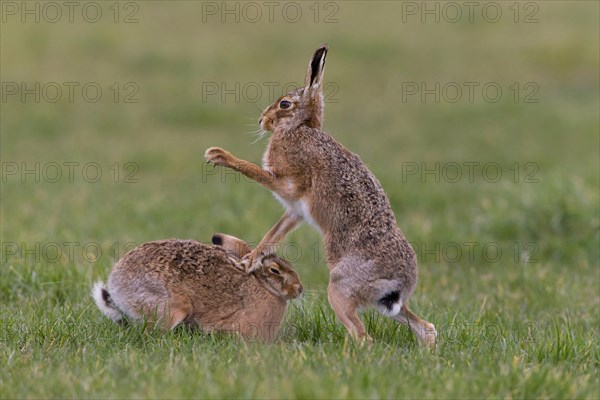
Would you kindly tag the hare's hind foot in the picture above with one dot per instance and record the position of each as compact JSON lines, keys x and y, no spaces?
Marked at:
{"x":430,"y":338}
{"x":423,"y":330}
{"x":365,"y":340}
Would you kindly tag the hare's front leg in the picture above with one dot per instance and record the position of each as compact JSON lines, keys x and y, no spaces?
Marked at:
{"x":268,"y":243}
{"x":289,"y":221}
{"x":218,"y":156}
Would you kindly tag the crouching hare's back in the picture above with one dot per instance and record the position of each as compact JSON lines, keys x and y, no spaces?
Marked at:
{"x":173,"y":282}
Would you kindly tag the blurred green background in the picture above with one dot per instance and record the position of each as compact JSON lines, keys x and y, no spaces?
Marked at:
{"x":179,"y":77}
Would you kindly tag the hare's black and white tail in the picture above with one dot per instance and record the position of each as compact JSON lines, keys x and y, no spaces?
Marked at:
{"x":105,"y":302}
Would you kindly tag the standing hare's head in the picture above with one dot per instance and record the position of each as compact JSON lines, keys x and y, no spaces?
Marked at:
{"x":303,"y":106}
{"x":275,"y":273}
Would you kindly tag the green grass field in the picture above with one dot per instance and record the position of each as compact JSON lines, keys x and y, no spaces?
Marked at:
{"x":498,"y":194}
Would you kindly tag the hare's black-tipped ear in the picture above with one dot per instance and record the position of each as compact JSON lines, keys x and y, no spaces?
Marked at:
{"x":232,"y":245}
{"x":316,"y":68}
{"x":217,"y":239}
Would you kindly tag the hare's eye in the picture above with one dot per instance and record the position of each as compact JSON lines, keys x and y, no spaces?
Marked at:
{"x":284,"y":104}
{"x":275,"y":271}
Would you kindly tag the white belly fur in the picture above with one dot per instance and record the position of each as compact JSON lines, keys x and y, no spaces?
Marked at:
{"x":300,"y":208}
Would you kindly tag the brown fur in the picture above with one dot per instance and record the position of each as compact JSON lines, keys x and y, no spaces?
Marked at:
{"x":319,"y":180}
{"x":171,"y":282}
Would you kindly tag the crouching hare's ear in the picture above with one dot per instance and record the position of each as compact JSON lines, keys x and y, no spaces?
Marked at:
{"x":233,"y":246}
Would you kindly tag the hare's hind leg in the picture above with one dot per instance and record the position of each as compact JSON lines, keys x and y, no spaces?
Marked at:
{"x":346,"y":309}
{"x":179,"y":309}
{"x":423,"y":330}
{"x":169,"y":314}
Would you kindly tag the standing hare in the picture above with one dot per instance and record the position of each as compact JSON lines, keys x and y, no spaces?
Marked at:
{"x":318,"y":180}
{"x":172,"y":282}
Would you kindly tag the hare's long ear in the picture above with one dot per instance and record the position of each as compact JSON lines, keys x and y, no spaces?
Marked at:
{"x":233,"y":246}
{"x":313,"y":81}
{"x":313,"y":89}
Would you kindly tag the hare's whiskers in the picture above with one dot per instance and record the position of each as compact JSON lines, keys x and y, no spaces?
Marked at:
{"x":253,"y":132}
{"x":259,"y":135}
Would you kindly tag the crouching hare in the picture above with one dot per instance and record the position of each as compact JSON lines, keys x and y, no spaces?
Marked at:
{"x":173,"y":282}
{"x":318,"y":180}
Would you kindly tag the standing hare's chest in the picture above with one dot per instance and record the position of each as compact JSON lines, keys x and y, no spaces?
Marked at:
{"x":294,"y":185}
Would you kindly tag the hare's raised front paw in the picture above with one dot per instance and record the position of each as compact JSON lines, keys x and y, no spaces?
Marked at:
{"x":218,"y":156}
{"x":237,"y":264}
{"x":250,"y":263}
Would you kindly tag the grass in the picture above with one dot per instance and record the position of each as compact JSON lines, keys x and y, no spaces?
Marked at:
{"x":523,"y":323}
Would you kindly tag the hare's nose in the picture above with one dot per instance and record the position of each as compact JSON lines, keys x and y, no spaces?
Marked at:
{"x":298,"y":289}
{"x":260,"y":120}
